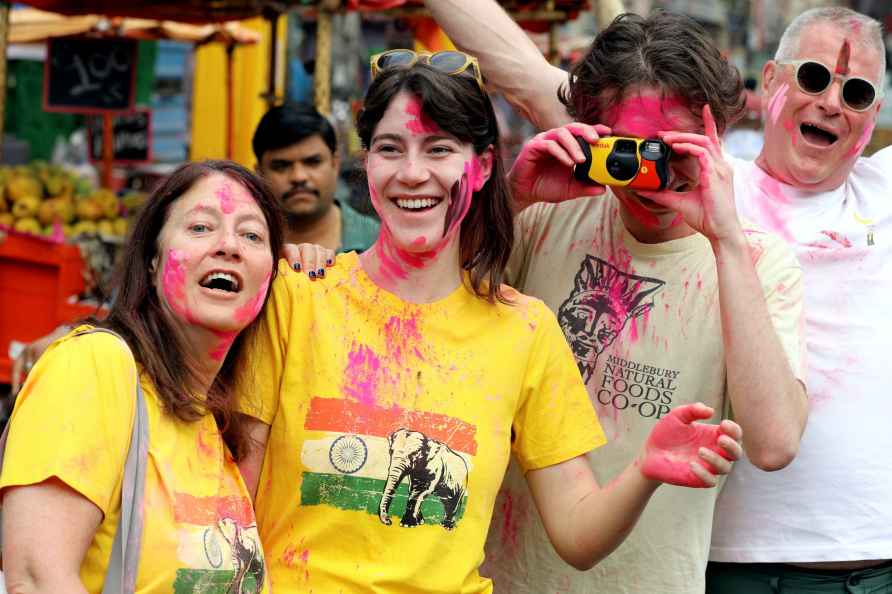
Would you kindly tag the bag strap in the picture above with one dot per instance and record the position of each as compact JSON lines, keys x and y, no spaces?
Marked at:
{"x":120,"y":578}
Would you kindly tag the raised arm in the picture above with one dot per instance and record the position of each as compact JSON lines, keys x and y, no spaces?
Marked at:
{"x":768,"y":401}
{"x":510,"y":61}
{"x":585,"y":522}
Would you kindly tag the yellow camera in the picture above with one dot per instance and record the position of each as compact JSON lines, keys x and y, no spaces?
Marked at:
{"x":637,"y":163}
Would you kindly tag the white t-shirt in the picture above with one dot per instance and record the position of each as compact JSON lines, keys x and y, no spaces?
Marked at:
{"x":834,"y":501}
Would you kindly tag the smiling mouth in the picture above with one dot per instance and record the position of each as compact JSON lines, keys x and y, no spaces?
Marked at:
{"x":221,"y":281}
{"x":817,"y":136}
{"x":417,"y":204}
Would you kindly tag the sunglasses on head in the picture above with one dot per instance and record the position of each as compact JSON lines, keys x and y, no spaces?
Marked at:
{"x":812,"y":77}
{"x":448,"y":62}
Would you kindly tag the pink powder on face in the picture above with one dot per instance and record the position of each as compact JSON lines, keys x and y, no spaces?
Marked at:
{"x":362,"y":375}
{"x":791,"y":130}
{"x":422,"y":124}
{"x":420,"y":240}
{"x":174,"y":284}
{"x":777,"y":102}
{"x":224,"y":193}
{"x":249,"y":311}
{"x":638,"y":212}
{"x":646,"y":115}
{"x":842,"y":62}
{"x":460,"y":200}
{"x":862,"y":140}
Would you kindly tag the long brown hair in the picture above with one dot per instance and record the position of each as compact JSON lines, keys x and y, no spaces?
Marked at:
{"x":461,"y":108}
{"x":665,"y":50}
{"x":137,"y":314}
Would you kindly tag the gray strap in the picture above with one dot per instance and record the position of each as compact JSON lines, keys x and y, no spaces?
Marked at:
{"x":120,"y":578}
{"x":124,"y":561}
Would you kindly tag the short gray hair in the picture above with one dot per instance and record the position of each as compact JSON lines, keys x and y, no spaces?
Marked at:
{"x":868,"y":31}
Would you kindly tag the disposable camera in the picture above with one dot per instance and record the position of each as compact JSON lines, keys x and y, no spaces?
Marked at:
{"x":636,"y":163}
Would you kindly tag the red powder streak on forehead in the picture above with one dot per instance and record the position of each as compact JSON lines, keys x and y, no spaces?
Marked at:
{"x":421,"y":124}
{"x":645,"y":115}
{"x":842,"y":62}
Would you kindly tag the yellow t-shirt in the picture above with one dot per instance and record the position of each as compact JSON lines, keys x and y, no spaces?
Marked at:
{"x":73,"y":421}
{"x":392,"y":426}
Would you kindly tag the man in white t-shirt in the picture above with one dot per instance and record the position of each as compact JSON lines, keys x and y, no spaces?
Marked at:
{"x":664,"y":297}
{"x":823,"y":523}
{"x":823,"y":520}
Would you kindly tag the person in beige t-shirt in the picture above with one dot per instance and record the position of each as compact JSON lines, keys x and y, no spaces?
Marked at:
{"x":666,"y":298}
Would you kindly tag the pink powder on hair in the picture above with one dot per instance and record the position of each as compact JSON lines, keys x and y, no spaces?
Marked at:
{"x":777,"y":102}
{"x":422,"y":124}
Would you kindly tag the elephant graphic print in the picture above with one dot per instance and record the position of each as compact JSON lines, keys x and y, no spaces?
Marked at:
{"x":388,"y":462}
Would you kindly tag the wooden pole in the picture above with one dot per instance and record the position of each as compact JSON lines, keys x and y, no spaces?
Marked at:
{"x":107,"y":149}
{"x":273,"y":17}
{"x":230,"y":100}
{"x":322,"y":73}
{"x":4,"y":34}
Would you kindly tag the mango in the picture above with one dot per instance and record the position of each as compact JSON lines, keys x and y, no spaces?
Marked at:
{"x":26,"y":207}
{"x":27,"y":225}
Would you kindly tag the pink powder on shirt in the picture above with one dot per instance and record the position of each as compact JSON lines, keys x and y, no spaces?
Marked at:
{"x":362,"y":376}
{"x":840,"y":239}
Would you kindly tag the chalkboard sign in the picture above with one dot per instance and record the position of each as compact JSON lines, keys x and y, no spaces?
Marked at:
{"x":89,"y":75}
{"x":132,"y":137}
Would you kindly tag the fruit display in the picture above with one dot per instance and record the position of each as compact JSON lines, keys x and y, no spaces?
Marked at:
{"x":44,"y":199}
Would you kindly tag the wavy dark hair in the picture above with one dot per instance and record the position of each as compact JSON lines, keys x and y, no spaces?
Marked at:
{"x":458,"y":106}
{"x":665,"y":50}
{"x":138,"y":316}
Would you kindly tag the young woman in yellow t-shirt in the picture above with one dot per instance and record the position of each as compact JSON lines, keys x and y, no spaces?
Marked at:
{"x":391,"y":395}
{"x":194,"y":274}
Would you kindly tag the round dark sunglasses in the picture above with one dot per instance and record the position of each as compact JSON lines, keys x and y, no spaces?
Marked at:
{"x":812,"y":77}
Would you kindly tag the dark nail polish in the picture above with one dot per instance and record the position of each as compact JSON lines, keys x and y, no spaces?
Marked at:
{"x":296,"y":266}
{"x":312,"y":274}
{"x":329,"y":262}
{"x":320,"y":272}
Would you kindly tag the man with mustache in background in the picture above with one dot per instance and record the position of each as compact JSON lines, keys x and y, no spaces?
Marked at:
{"x":297,"y":154}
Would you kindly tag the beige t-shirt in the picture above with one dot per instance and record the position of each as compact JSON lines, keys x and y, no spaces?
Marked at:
{"x":643,"y":322}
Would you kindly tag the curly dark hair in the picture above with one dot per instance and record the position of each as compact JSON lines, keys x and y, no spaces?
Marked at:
{"x":665,"y":50}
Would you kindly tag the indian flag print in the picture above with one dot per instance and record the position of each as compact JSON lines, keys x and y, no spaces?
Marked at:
{"x":388,"y":462}
{"x":219,"y":544}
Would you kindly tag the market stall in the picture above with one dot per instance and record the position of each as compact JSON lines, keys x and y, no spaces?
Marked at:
{"x":58,"y":233}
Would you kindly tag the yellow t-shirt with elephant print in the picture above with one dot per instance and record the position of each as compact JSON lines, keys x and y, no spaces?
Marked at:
{"x":73,"y":419}
{"x":392,"y":425}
